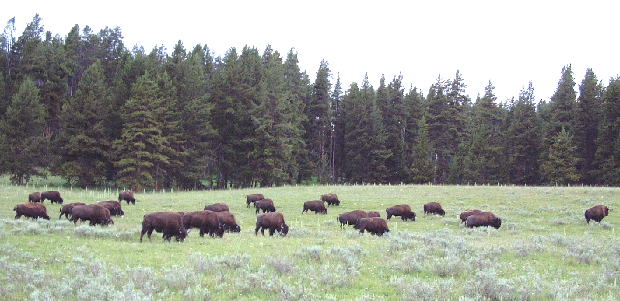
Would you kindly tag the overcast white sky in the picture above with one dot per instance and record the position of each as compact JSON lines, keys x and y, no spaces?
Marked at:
{"x":507,"y":42}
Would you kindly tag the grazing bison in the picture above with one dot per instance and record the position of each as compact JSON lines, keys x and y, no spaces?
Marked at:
{"x":316,"y":206}
{"x":465,"y":214}
{"x":34,"y":197}
{"x":433,"y":208}
{"x":596,"y":213}
{"x":31,"y":210}
{"x":374,"y":225}
{"x":352,"y":217}
{"x":274,"y":221}
{"x":113,"y":206}
{"x":206,"y":221}
{"x":53,"y":196}
{"x":168,"y":223}
{"x":483,"y":219}
{"x":404,"y":211}
{"x":331,"y":199}
{"x":127,"y":196}
{"x":217,"y":207}
{"x":95,"y":214}
{"x":66,"y":209}
{"x":374,"y":214}
{"x":228,"y":222}
{"x":265,"y":204}
{"x":251,"y":198}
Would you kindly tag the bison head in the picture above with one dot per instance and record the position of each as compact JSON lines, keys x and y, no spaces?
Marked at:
{"x":46,"y":217}
{"x":236,"y":229}
{"x":107,"y":221}
{"x":182,"y":234}
{"x":284,"y":229}
{"x":497,"y":223}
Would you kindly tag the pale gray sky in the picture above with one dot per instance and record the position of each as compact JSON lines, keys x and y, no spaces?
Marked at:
{"x":507,"y":42}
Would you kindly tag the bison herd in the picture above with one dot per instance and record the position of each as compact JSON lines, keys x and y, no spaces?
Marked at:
{"x":216,"y":219}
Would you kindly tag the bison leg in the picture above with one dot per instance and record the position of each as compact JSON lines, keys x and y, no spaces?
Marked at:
{"x":271,"y":231}
{"x":256,"y":230}
{"x":389,"y":216}
{"x":17,"y":216}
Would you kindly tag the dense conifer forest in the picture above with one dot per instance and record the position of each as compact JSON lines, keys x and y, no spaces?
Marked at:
{"x":82,"y":106}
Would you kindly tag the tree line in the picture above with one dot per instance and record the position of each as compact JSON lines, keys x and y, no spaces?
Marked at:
{"x":86,"y":108}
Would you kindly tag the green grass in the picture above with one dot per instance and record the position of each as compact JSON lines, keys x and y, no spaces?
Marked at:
{"x":544,"y":250}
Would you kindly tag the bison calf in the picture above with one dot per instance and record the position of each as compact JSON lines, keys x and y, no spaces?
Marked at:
{"x":168,"y":223}
{"x":251,"y":198}
{"x":34,"y":197}
{"x":217,"y":207}
{"x":66,"y":209}
{"x":95,"y":214}
{"x":114,"y":207}
{"x":433,"y":208}
{"x":265,"y":204}
{"x":274,"y":221}
{"x":351,"y":217}
{"x":374,"y":225}
{"x":53,"y":196}
{"x":483,"y":219}
{"x":31,"y":210}
{"x":127,"y":196}
{"x":596,"y":213}
{"x":206,"y":221}
{"x":404,"y":211}
{"x":464,"y":215}
{"x":315,"y":206}
{"x":330,"y":199}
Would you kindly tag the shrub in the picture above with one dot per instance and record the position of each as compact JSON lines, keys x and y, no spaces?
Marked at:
{"x":416,"y":289}
{"x":583,"y":252}
{"x":487,"y":284}
{"x":450,"y":265}
{"x":312,"y":253}
{"x":282,"y":265}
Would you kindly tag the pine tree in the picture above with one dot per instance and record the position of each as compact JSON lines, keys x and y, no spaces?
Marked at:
{"x":390,"y":100}
{"x":421,"y":168}
{"x":337,"y":141}
{"x":21,"y":135}
{"x":607,"y":157}
{"x":441,"y":134}
{"x":587,"y":115}
{"x":85,"y":157}
{"x":318,"y":127}
{"x":561,"y":166}
{"x":558,"y":114}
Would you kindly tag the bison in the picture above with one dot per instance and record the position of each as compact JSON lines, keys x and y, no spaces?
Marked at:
{"x":274,"y":221}
{"x":217,"y":207}
{"x":404,"y":211}
{"x":596,"y":213}
{"x":352,"y":217}
{"x":483,"y":219}
{"x":251,"y":198}
{"x":168,"y":223}
{"x":95,"y":214}
{"x":374,"y":225}
{"x":31,"y":210}
{"x":316,"y":206}
{"x":433,"y":208}
{"x":265,"y":204}
{"x":465,"y":214}
{"x":34,"y":197}
{"x":113,"y":206}
{"x":331,"y":199}
{"x":66,"y":209}
{"x":374,"y":214}
{"x":53,"y":196}
{"x":206,"y":221}
{"x":127,"y":196}
{"x":228,"y":221}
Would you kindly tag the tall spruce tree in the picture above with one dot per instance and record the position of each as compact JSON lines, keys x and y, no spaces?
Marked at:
{"x":337,"y":138}
{"x":318,"y":123}
{"x":587,"y":115}
{"x":441,"y":134}
{"x":607,"y":157}
{"x":390,"y":101}
{"x":421,"y":168}
{"x":561,"y":165}
{"x":21,"y":135}
{"x":85,"y":157}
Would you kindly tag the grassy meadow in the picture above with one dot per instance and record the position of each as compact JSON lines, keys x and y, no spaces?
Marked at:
{"x":543,"y":251}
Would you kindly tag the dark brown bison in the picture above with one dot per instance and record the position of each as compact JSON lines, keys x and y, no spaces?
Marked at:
{"x":404,"y":211}
{"x":127,"y":196}
{"x":168,"y":223}
{"x":331,"y":199}
{"x":465,"y":214}
{"x":53,"y":196}
{"x":374,"y":225}
{"x":66,"y":209}
{"x":251,"y":198}
{"x":374,"y":214}
{"x":114,"y":207}
{"x":596,"y":213}
{"x":274,"y":221}
{"x":206,"y":221}
{"x":228,"y":221}
{"x":265,"y":204}
{"x":31,"y":210}
{"x":433,"y":208}
{"x":483,"y":219}
{"x":352,"y":217}
{"x":217,"y":207}
{"x":34,"y":197}
{"x":315,"y":206}
{"x":95,"y":214}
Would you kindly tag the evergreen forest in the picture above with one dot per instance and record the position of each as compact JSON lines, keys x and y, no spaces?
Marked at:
{"x":83,"y":107}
